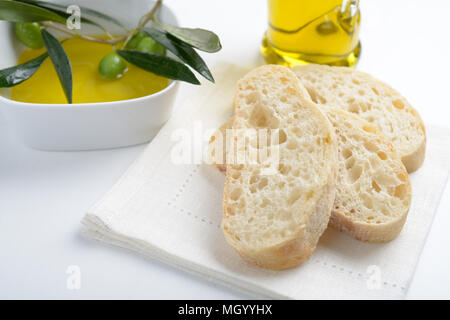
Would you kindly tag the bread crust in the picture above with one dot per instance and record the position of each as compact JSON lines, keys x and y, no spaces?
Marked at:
{"x":414,"y":160}
{"x":219,"y":160}
{"x":366,"y":232}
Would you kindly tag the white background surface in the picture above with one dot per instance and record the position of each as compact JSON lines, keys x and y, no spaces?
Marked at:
{"x":43,"y":195}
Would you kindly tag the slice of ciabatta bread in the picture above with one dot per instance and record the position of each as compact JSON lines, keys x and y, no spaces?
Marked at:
{"x":275,"y":220}
{"x":373,"y":192}
{"x":372,"y":100}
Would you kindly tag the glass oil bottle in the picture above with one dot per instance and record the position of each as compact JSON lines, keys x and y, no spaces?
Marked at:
{"x":312,"y":31}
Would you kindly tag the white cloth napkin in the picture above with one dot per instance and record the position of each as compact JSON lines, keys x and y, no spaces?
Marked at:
{"x":172,"y":212}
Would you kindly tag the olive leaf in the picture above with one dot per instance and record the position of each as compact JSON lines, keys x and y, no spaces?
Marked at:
{"x":12,"y":76}
{"x":181,"y":50}
{"x":160,"y":65}
{"x":60,"y":61}
{"x":201,"y":39}
{"x":22,"y":12}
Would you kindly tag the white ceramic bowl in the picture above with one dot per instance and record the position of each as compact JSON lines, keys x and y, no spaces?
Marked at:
{"x":87,"y":126}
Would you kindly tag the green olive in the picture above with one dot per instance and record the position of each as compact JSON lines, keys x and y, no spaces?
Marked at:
{"x":134,"y":41}
{"x":112,"y":66}
{"x":29,"y":33}
{"x":149,"y":45}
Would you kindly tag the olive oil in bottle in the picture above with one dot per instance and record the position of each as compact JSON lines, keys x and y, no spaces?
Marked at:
{"x":312,"y":31}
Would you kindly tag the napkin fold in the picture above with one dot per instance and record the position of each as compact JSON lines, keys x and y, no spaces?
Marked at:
{"x":168,"y":206}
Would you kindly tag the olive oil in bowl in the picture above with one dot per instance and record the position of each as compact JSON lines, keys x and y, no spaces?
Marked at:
{"x":88,"y":85}
{"x":311,"y":31}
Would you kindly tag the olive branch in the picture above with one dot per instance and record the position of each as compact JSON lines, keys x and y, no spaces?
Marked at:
{"x":37,"y":18}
